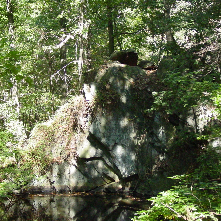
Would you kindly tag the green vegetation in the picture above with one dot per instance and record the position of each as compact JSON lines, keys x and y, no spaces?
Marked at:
{"x":197,"y":194}
{"x":195,"y":197}
{"x":47,"y":46}
{"x":18,"y":167}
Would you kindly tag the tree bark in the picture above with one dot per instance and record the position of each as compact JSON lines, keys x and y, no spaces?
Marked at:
{"x":63,"y":61}
{"x":10,"y":17}
{"x":81,"y":48}
{"x":171,"y":42}
{"x":11,"y":28}
{"x":110,"y":27}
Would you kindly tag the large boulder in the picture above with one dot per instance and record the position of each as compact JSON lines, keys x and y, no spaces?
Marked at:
{"x":109,"y":139}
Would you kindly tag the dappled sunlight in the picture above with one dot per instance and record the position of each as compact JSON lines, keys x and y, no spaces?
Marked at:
{"x":123,"y":99}
{"x":110,"y":97}
{"x":124,"y":122}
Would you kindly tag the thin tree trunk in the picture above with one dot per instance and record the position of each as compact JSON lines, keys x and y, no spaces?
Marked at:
{"x":171,"y":42}
{"x":81,"y":49}
{"x":110,"y":27}
{"x":10,"y":17}
{"x":63,"y":61}
{"x":88,"y":48}
{"x":11,"y":28}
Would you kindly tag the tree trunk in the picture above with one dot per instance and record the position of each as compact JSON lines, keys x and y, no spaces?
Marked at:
{"x":10,"y":17}
{"x":63,"y":61}
{"x":11,"y":28}
{"x":81,"y":48}
{"x":13,"y":118}
{"x":110,"y":27}
{"x":171,"y":42}
{"x":88,"y":47}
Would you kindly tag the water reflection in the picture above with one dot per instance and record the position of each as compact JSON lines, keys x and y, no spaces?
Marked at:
{"x":73,"y":207}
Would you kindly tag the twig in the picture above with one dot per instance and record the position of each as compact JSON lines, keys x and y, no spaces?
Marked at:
{"x":179,"y":215}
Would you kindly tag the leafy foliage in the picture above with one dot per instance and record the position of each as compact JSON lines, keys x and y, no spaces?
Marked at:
{"x":183,"y":91}
{"x":196,"y":197}
{"x":11,"y":175}
{"x":18,"y":167}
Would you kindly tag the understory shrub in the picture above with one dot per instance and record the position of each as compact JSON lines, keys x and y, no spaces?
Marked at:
{"x":197,"y":196}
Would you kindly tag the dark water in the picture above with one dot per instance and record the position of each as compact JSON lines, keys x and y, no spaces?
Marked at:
{"x":72,"y":207}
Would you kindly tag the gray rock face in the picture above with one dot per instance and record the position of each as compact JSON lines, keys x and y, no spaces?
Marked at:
{"x":118,"y":144}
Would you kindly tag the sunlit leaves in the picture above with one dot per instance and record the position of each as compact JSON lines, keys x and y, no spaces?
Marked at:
{"x":183,"y":92}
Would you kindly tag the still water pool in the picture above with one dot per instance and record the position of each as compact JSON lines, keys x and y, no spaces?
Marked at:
{"x":73,"y":207}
